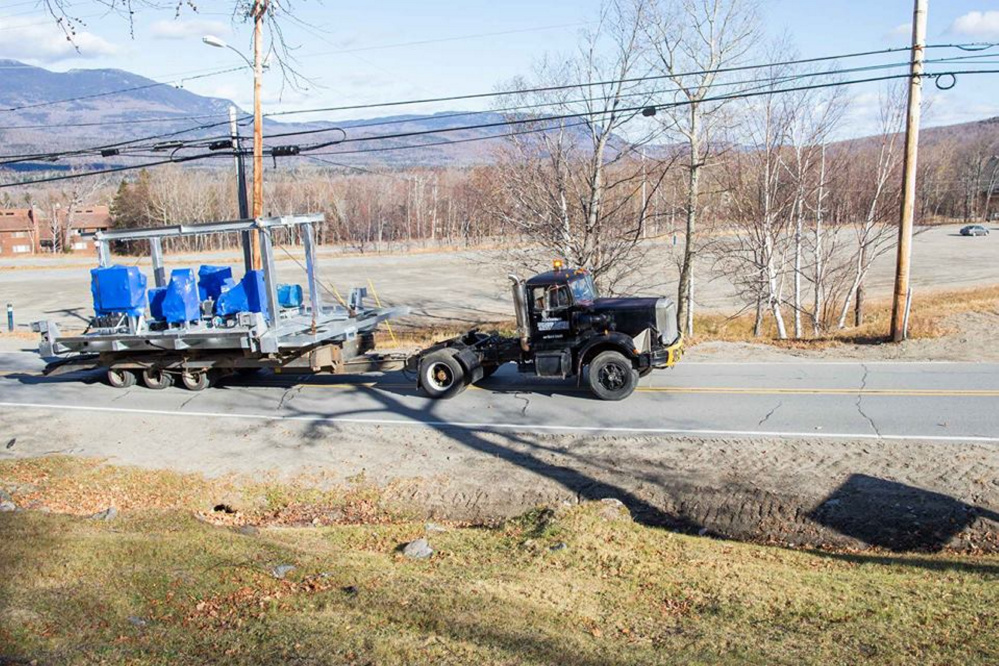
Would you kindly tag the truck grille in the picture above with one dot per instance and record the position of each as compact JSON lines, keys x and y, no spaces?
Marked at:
{"x":666,"y":320}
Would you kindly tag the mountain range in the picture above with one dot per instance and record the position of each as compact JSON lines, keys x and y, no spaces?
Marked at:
{"x":44,"y":111}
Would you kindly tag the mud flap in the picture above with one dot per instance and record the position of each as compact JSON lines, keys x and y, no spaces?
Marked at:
{"x":472,"y":364}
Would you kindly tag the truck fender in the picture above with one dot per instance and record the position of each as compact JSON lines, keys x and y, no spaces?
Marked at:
{"x":468,"y":359}
{"x":611,"y":341}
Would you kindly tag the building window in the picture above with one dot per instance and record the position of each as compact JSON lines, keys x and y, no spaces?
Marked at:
{"x":18,"y":234}
{"x":80,"y":246}
{"x":21,"y":249}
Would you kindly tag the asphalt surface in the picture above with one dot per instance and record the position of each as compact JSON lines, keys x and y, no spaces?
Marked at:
{"x":890,"y":400}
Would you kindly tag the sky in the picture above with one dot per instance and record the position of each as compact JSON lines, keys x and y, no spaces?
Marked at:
{"x":383,"y":50}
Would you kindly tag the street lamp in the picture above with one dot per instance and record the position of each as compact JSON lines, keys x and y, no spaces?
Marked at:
{"x":258,"y":136}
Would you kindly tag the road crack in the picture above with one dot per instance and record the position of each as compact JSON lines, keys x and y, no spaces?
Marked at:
{"x":770,"y":413}
{"x":289,"y":394}
{"x":860,"y":399}
{"x":184,"y":404}
{"x":527,"y":402}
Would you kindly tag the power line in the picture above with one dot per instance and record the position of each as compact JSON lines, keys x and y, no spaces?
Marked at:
{"x":470,"y":96}
{"x":83,"y":174}
{"x":929,"y":75}
{"x":586,"y":115}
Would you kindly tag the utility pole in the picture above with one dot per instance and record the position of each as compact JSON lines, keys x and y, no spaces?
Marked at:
{"x":259,"y":10}
{"x":244,"y":207}
{"x":902,"y":266}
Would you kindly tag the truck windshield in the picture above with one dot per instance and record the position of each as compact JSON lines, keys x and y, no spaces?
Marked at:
{"x":583,"y":289}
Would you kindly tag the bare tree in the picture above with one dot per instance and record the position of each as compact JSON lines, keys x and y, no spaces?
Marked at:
{"x":690,"y":42}
{"x":570,"y":182}
{"x":873,"y":200}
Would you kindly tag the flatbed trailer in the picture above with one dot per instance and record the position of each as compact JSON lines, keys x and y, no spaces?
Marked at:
{"x":301,"y":337}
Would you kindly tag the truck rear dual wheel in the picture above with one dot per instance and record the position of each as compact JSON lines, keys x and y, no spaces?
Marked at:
{"x":612,"y":376}
{"x":121,"y":378}
{"x":156,"y":379}
{"x":196,"y":380}
{"x":441,"y":375}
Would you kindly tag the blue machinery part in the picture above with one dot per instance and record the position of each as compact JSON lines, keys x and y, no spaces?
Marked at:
{"x":118,"y":290}
{"x":290,"y":295}
{"x":210,"y":281}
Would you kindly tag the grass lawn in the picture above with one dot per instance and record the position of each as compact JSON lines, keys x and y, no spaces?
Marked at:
{"x":162,"y":584}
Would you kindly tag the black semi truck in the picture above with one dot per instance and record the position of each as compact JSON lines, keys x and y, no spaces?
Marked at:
{"x":564,"y":329}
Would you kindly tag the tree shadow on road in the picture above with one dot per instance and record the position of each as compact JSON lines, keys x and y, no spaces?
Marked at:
{"x":529,"y":455}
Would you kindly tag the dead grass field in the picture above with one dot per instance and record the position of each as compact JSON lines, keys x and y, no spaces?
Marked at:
{"x":170,"y":581}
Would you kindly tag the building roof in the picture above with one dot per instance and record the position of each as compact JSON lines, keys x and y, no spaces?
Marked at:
{"x":16,"y":219}
{"x":91,"y":218}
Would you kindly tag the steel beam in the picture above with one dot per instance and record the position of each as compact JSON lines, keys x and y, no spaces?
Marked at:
{"x":180,"y":230}
{"x":270,"y":276}
{"x":309,"y":242}
{"x":156,"y":253}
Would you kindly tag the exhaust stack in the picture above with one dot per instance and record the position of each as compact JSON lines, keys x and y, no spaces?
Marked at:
{"x":520,"y":307}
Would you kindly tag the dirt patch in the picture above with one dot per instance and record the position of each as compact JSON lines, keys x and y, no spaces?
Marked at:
{"x":897,"y":495}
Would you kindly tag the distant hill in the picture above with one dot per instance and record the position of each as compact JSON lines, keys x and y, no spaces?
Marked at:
{"x":37,"y":119}
{"x":109,"y":104}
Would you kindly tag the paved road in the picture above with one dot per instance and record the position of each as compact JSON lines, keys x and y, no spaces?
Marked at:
{"x":934,"y":401}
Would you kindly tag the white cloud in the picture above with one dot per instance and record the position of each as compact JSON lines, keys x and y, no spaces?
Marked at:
{"x":900,"y":30}
{"x":193,"y":29}
{"x":47,"y":43}
{"x":977,"y":24}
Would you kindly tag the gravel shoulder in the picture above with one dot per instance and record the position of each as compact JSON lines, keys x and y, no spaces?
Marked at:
{"x":899,"y":495}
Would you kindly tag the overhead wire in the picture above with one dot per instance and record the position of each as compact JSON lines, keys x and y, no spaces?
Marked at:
{"x":586,"y":114}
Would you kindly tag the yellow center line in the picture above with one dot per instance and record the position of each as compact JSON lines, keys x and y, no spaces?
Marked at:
{"x":708,"y":390}
{"x":693,"y":389}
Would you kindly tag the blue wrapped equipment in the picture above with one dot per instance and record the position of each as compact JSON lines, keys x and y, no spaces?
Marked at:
{"x":118,"y":290}
{"x":156,"y":295}
{"x":247,"y":295}
{"x":180,"y":303}
{"x":211,"y":279}
{"x":290,"y":295}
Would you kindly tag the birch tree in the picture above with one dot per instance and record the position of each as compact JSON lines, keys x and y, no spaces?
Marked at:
{"x":690,"y":42}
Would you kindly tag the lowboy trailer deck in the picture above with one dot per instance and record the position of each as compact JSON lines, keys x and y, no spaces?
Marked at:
{"x":197,"y":333}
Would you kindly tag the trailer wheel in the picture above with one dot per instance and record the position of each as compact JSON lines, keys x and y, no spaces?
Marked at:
{"x":441,"y":375}
{"x":121,"y":378}
{"x":156,"y":379}
{"x":196,"y":380}
{"x":611,"y":376}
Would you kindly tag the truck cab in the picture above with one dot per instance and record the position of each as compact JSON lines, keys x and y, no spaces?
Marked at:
{"x":564,"y":329}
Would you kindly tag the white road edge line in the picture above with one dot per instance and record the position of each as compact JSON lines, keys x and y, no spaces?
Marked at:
{"x":502,"y":426}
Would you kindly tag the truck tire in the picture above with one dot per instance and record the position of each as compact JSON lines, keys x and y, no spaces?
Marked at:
{"x":612,"y":376}
{"x":196,"y":380}
{"x":121,"y":378}
{"x":156,"y":379}
{"x":441,"y":375}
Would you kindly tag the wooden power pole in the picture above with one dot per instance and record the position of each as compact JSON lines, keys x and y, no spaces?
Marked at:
{"x":259,"y":10}
{"x":908,"y":209}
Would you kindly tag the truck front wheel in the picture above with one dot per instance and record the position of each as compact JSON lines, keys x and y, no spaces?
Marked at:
{"x":441,"y":375}
{"x":611,"y":376}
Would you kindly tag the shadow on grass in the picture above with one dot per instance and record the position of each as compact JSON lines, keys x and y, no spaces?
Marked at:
{"x":895,"y":516}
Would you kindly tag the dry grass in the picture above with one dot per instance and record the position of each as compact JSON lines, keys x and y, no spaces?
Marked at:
{"x":581,"y":585}
{"x":927,"y":320}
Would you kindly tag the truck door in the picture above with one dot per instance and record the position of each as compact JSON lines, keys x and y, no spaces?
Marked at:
{"x":550,"y":311}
